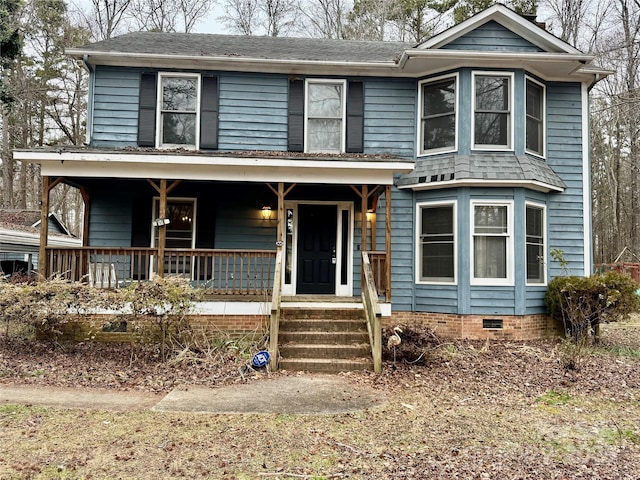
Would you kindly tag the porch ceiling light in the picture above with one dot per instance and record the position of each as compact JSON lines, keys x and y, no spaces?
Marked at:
{"x":266,"y":212}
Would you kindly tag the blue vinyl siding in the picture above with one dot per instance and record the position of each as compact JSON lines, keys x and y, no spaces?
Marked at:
{"x":115,"y":107}
{"x":241,"y":227}
{"x":564,"y":154}
{"x":390,"y":117}
{"x":253,"y":112}
{"x":110,"y":219}
{"x":492,"y":37}
{"x":402,"y":244}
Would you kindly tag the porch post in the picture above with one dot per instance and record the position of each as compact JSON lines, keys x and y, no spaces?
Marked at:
{"x":387,"y":242}
{"x":44,"y":230}
{"x":281,"y":219}
{"x":162,"y":229}
{"x":364,"y":230}
{"x":85,"y":221}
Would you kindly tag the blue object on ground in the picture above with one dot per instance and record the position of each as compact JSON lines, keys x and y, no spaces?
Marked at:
{"x":260,"y":359}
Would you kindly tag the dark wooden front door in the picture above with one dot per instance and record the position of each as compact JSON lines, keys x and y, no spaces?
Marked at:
{"x":317,"y":249}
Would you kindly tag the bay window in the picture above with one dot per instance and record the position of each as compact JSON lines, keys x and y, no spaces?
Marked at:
{"x":492,"y":238}
{"x":436,"y":242}
{"x":535,"y":118}
{"x":492,"y":118}
{"x":438,"y":106}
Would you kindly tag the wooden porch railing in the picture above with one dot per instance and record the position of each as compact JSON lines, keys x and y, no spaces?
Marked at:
{"x":274,"y":322}
{"x":372,"y":312}
{"x":379,"y":270}
{"x":239,"y":272}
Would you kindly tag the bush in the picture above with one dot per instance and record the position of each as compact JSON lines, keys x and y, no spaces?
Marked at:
{"x":582,"y":303}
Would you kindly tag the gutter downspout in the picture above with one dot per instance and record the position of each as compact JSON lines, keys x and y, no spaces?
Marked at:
{"x":87,"y":66}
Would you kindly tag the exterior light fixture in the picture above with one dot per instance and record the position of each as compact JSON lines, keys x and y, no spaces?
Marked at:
{"x":266,"y":212}
{"x":370,"y":215}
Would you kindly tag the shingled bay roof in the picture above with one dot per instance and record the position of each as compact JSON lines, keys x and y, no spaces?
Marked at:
{"x":431,"y":172}
{"x":254,"y":47}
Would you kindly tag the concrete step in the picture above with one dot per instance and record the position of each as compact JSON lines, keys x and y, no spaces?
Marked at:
{"x":322,"y":325}
{"x":322,"y":312}
{"x":325,"y":351}
{"x":328,"y":338}
{"x":325,"y":365}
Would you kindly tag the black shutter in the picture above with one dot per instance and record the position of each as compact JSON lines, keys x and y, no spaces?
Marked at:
{"x":296,"y":116}
{"x":355,"y":117}
{"x":209,"y":113}
{"x":147,"y":110}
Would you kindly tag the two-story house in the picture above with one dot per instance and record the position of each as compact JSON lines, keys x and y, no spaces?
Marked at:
{"x":457,"y":165}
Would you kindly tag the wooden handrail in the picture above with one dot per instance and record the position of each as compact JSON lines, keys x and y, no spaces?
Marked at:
{"x":372,"y":312}
{"x":274,"y":322}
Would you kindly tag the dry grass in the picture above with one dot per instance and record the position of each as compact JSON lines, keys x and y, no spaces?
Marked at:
{"x":476,"y":410}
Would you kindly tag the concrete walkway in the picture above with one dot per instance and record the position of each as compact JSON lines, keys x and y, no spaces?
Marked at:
{"x":304,"y":394}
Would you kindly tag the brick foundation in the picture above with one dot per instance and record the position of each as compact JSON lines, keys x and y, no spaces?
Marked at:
{"x":90,"y":327}
{"x":474,"y":327}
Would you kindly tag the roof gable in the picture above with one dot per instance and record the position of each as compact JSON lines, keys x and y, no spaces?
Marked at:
{"x":509,"y":20}
{"x":494,"y":37}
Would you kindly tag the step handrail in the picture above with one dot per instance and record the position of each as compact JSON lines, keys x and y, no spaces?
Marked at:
{"x":372,"y":312}
{"x":274,"y":321}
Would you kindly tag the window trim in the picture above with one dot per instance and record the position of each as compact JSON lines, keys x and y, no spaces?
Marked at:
{"x":420,"y":143}
{"x":418,"y":245}
{"x":510,"y":124}
{"x":543,"y":119}
{"x":343,"y":124}
{"x":543,"y":207}
{"x":159,"y":110}
{"x":510,"y":254}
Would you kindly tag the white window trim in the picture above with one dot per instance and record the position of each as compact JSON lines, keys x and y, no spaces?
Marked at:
{"x":508,"y":281}
{"x":421,"y":152}
{"x":527,"y":78}
{"x":510,"y":146}
{"x":343,"y":126}
{"x":418,"y":248}
{"x":542,"y":207}
{"x":178,"y":199}
{"x":159,"y":143}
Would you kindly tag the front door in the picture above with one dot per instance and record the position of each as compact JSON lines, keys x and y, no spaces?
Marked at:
{"x":317,"y":249}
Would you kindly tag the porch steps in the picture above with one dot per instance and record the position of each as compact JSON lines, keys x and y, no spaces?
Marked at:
{"x":324,"y":339}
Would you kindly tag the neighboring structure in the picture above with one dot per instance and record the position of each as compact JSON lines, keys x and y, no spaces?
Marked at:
{"x":461,"y":162}
{"x":20,"y":239}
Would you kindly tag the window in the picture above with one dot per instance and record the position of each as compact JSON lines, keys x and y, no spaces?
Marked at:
{"x":180,"y":229}
{"x":325,"y":112}
{"x":178,"y":112}
{"x":535,"y":118}
{"x":436,"y":227}
{"x":492,"y":111}
{"x":438,"y":115}
{"x":492,"y":243}
{"x":535,"y":233}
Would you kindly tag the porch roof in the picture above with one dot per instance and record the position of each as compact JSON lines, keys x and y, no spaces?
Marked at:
{"x":251,"y":166}
{"x":496,"y":170}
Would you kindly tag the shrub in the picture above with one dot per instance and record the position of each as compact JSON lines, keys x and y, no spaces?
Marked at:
{"x":582,"y":303}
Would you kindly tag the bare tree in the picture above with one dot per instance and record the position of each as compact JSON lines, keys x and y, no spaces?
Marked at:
{"x":241,"y":16}
{"x":324,"y":18}
{"x":193,"y":12}
{"x":108,"y":17}
{"x":280,"y":16}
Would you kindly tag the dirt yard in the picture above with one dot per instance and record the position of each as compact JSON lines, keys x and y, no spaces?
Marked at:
{"x":460,"y":411}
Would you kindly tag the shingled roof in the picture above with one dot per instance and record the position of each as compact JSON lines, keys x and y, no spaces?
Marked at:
{"x":498,"y":168}
{"x":250,"y":47}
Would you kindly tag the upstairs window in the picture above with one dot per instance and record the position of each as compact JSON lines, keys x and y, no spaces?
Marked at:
{"x":492,"y":243}
{"x":535,"y":240}
{"x":325,"y":116}
{"x":178,"y":110}
{"x":535,"y":118}
{"x":436,"y":227}
{"x":438,"y":115}
{"x":492,"y":118}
